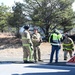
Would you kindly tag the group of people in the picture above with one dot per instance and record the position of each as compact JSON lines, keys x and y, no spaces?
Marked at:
{"x":31,"y":50}
{"x":31,"y":43}
{"x":56,"y":39}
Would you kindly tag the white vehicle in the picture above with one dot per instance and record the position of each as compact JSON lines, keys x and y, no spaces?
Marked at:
{"x":31,"y":29}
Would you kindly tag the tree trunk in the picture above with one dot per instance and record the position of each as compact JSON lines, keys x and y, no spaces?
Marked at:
{"x":17,"y":33}
{"x":47,"y":32}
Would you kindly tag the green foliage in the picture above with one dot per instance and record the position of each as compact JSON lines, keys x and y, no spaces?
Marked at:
{"x":51,"y":14}
{"x":4,"y":11}
{"x":48,"y":14}
{"x":17,"y":18}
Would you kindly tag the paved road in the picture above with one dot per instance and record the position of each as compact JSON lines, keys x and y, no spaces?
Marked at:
{"x":10,"y":65}
{"x":35,"y":69}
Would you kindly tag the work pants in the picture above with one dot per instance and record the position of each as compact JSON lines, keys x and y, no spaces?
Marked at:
{"x":54,"y":49}
{"x":37,"y":53}
{"x":27,"y":53}
{"x":66,"y":52}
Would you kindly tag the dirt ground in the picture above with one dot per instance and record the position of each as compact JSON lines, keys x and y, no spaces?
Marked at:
{"x":11,"y":49}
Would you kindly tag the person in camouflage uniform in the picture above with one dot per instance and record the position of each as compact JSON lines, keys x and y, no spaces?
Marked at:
{"x":68,"y":46}
{"x":36,"y":39}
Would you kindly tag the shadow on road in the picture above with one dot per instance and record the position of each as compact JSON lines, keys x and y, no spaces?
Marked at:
{"x":44,"y":69}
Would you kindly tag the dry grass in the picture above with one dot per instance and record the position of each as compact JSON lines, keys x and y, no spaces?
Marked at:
{"x":11,"y":47}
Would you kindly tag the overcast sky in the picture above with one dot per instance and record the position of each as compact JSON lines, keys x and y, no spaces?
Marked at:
{"x":73,"y":6}
{"x":9,"y":2}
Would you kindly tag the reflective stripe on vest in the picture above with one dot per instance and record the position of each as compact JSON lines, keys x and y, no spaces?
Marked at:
{"x":67,"y":44}
{"x":25,"y":41}
{"x":54,"y":44}
{"x":24,"y":38}
{"x":55,"y":39}
{"x":27,"y":59}
{"x":66,"y":49}
{"x":26,"y":44}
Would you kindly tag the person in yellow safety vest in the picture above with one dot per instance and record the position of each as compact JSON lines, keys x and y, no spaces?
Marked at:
{"x":27,"y":46}
{"x":36,"y":39}
{"x":55,"y":40}
{"x":68,"y":46}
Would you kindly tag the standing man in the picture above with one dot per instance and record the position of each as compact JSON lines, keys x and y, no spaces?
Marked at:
{"x":55,"y":40}
{"x":36,"y":38}
{"x":68,"y":46}
{"x":27,"y":45}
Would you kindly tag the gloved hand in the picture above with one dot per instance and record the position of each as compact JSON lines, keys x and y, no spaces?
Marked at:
{"x":59,"y":46}
{"x":72,"y":49}
{"x":32,"y":48}
{"x":40,"y":41}
{"x":63,"y":49}
{"x":30,"y":44}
